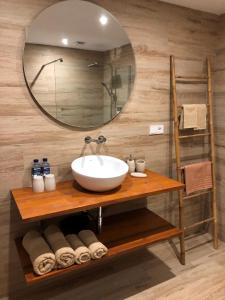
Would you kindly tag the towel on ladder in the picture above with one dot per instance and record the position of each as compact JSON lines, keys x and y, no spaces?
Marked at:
{"x":193,"y":116}
{"x":198,"y":177}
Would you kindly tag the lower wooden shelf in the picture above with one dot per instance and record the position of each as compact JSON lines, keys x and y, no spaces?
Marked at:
{"x":120,"y":233}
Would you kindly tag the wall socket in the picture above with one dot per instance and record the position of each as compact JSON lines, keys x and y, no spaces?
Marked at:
{"x":156,"y":129}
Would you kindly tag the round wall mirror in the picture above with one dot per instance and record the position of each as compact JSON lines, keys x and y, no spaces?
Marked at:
{"x":79,"y":64}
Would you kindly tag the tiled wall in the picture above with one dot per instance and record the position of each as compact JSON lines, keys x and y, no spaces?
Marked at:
{"x":67,"y":90}
{"x":219,"y":113}
{"x":156,"y":30}
{"x":72,"y":92}
{"x":121,"y":63}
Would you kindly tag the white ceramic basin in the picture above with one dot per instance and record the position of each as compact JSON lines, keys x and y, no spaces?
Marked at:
{"x":99,"y":173}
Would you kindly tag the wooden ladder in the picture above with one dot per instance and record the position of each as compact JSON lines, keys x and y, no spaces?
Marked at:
{"x":178,"y":139}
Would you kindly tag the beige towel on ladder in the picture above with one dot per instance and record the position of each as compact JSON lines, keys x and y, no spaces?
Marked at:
{"x":82,"y":253}
{"x":193,"y":116}
{"x":188,"y":116}
{"x":41,"y":256}
{"x":97,"y":249}
{"x":201,"y":117}
{"x":64,"y":254}
{"x":198,"y":177}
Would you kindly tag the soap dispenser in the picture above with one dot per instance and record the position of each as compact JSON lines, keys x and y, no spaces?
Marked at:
{"x":131,"y":164}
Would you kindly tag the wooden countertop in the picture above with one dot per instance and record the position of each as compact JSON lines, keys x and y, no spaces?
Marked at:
{"x":69,"y":197}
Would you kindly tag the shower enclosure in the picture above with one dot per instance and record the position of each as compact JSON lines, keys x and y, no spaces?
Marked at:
{"x":78,"y":86}
{"x":101,"y":98}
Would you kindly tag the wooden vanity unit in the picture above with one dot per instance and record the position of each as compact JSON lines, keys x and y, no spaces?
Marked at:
{"x":120,"y":233}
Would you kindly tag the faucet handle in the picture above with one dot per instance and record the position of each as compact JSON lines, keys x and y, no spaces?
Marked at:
{"x":101,"y":139}
{"x":87,"y":140}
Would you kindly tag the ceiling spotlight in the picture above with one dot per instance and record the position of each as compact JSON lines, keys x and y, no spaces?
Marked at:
{"x":103,"y":20}
{"x":65,"y":41}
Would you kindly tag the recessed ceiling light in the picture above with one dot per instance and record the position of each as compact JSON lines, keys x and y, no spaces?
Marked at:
{"x":103,"y":20}
{"x":65,"y":41}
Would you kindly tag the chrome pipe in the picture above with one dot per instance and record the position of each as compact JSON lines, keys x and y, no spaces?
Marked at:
{"x":100,"y":219}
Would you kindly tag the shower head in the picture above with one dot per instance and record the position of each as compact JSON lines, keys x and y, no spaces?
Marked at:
{"x":116,"y":81}
{"x":94,"y":64}
{"x":61,"y":59}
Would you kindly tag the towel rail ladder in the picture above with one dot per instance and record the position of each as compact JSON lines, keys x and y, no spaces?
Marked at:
{"x":206,"y":79}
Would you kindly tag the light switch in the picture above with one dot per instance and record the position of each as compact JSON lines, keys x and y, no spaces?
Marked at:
{"x":156,"y":129}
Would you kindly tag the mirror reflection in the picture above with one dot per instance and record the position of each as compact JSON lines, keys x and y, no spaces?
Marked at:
{"x":79,"y":64}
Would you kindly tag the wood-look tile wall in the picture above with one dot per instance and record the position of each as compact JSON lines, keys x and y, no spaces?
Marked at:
{"x":69,"y":91}
{"x":72,"y":92}
{"x":219,"y":112}
{"x":156,"y":30}
{"x":119,"y":73}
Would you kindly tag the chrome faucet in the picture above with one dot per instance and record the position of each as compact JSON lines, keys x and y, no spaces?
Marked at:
{"x":100,"y":140}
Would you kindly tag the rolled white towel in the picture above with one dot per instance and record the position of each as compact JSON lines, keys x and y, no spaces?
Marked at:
{"x":41,"y":256}
{"x":82,"y":253}
{"x":64,"y":254}
{"x":97,"y":249}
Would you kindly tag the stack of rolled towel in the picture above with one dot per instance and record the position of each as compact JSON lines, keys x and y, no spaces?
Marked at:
{"x":96,"y":248}
{"x":64,"y":254}
{"x":59,"y":251}
{"x":41,"y":256}
{"x":82,"y":253}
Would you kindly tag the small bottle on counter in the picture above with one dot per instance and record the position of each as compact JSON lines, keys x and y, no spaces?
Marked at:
{"x":45,"y":167}
{"x":38,"y":184}
{"x":50,"y":184}
{"x":36,"y":168}
{"x":131,"y":164}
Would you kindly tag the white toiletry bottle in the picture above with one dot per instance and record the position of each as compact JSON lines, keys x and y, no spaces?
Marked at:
{"x":131,"y":164}
{"x":38,"y":184}
{"x":50,"y":184}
